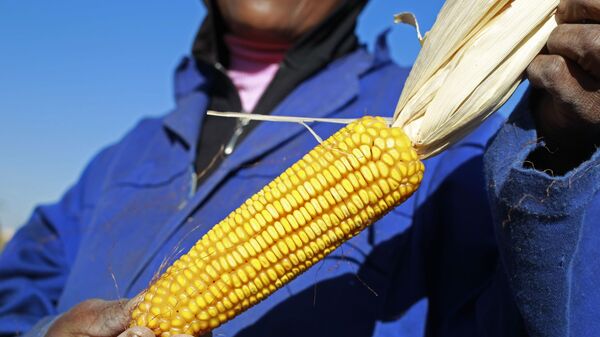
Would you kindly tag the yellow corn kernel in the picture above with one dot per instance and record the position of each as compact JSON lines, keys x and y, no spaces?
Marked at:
{"x":338,"y":189}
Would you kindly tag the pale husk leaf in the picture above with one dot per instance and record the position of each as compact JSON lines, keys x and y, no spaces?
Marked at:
{"x":447,"y":95}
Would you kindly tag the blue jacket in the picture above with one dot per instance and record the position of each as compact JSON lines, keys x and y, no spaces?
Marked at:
{"x":444,"y":263}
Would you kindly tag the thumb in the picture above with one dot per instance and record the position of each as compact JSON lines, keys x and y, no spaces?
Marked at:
{"x":137,"y":331}
{"x":96,"y":318}
{"x":105,"y":318}
{"x":116,"y":315}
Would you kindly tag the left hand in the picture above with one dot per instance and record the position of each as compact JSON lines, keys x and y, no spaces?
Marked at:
{"x":567,"y":109}
{"x":97,"y":318}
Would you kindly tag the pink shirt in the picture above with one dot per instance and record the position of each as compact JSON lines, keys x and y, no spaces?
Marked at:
{"x":252,"y":66}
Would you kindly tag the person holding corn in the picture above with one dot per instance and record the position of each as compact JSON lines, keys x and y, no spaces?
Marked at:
{"x":455,"y":259}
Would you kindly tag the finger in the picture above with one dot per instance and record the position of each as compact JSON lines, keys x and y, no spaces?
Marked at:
{"x":137,"y":331}
{"x":112,"y":317}
{"x":577,"y":11}
{"x":93,"y":318}
{"x":100,"y":318}
{"x":570,"y":87}
{"x":552,"y":73}
{"x":579,"y":43}
{"x":562,"y":78}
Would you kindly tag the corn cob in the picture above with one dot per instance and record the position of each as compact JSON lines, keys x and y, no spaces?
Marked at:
{"x":343,"y":185}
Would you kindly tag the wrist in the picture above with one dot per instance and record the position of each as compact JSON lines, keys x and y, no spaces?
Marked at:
{"x":557,"y":160}
{"x":564,"y":143}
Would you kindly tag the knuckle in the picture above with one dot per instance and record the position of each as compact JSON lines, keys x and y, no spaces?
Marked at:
{"x":591,"y":40}
{"x":583,"y":7}
{"x":535,"y":71}
{"x":558,"y":32}
{"x":535,"y":67}
{"x":576,"y":9}
{"x":555,"y":68}
{"x":553,"y":75}
{"x":553,"y":71}
{"x":560,"y":37}
{"x":563,"y":8}
{"x":563,"y":5}
{"x":590,"y":49}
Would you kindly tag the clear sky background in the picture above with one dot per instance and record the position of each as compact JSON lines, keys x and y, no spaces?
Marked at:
{"x":76,"y":75}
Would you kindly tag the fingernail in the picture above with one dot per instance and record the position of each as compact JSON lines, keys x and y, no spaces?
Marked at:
{"x":132,"y":333}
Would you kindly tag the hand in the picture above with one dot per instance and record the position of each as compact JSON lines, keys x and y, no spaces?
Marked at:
{"x":567,"y":106}
{"x":97,"y":318}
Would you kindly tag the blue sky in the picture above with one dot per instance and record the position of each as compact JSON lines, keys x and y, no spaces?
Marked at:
{"x":76,"y":75}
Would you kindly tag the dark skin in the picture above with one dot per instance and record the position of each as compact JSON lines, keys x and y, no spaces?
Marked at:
{"x":567,"y":110}
{"x":98,"y":318}
{"x":567,"y":106}
{"x":274,"y":20}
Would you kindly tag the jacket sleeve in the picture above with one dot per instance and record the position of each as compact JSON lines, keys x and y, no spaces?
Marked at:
{"x":34,"y":265}
{"x":547,"y":231}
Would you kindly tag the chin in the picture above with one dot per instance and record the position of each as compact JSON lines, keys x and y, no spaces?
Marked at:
{"x":274,"y":20}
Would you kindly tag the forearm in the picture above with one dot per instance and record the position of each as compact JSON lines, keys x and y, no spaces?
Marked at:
{"x":563,"y":149}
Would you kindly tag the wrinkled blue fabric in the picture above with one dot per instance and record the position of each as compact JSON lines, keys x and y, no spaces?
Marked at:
{"x":441,"y":264}
{"x":548,"y":233}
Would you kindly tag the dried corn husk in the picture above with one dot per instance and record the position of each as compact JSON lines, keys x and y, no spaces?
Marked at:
{"x":471,"y":62}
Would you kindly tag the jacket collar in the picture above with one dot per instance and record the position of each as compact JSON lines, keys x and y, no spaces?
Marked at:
{"x":192,"y":83}
{"x":191,"y":87}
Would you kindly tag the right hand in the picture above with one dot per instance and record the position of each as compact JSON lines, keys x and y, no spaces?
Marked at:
{"x":98,"y":318}
{"x":568,"y":76}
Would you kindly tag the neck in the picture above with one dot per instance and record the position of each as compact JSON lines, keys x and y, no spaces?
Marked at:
{"x":254,"y":51}
{"x":252,"y":66}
